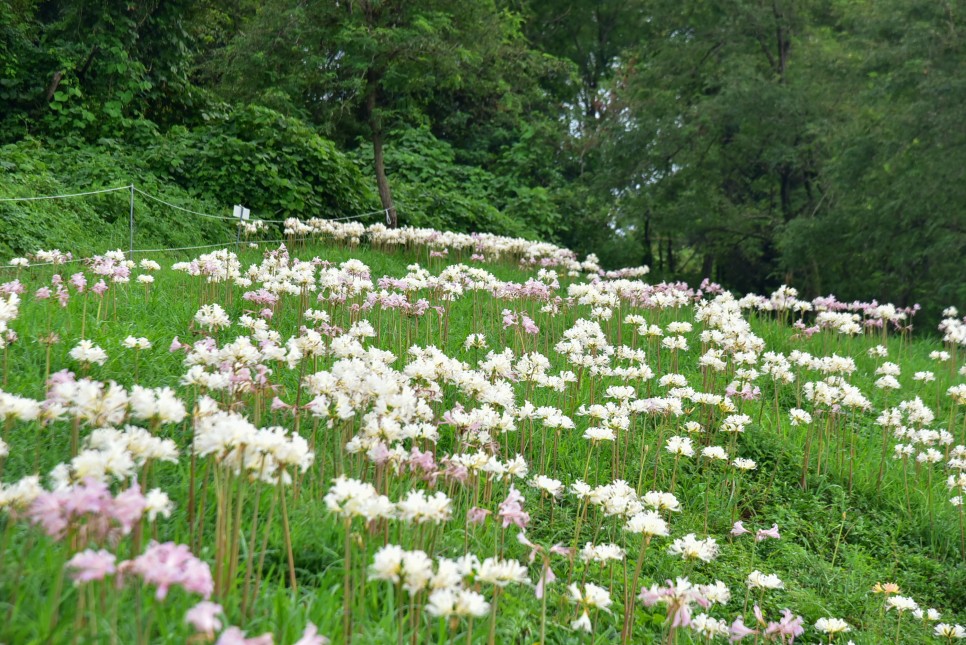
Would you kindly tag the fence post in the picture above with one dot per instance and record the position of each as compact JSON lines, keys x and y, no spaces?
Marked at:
{"x":131,"y":225}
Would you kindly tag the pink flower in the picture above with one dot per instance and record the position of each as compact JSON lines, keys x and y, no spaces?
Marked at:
{"x":547,"y":578}
{"x":477,"y":515}
{"x":91,"y":565}
{"x":14,"y":286}
{"x":235,"y":636}
{"x":379,"y":453}
{"x":128,"y":508}
{"x":177,"y":345}
{"x":55,"y":510}
{"x":509,"y":318}
{"x":768,"y":533}
{"x":560,"y":549}
{"x":739,"y":529}
{"x":79,"y":282}
{"x":47,"y":510}
{"x":739,"y":631}
{"x":511,"y":509}
{"x":265,"y":313}
{"x":311,"y":637}
{"x":759,"y":616}
{"x":42,"y":293}
{"x":169,"y":564}
{"x":790,"y":626}
{"x":279,"y":404}
{"x":99,"y":288}
{"x":422,"y":460}
{"x":528,"y":325}
{"x":204,"y":617}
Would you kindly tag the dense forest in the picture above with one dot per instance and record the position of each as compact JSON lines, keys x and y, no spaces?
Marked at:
{"x":756,"y":142}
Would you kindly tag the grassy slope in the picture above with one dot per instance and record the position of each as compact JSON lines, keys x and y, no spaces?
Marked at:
{"x":834,"y":545}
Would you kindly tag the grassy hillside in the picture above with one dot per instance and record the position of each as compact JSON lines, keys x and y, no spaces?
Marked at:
{"x":842,"y":528}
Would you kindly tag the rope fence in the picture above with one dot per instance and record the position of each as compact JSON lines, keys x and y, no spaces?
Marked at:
{"x":133,"y":190}
{"x":91,"y":192}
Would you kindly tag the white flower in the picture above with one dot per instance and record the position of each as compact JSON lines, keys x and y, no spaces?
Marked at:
{"x":648,"y":523}
{"x":832,"y":626}
{"x":680,"y":446}
{"x":132,"y":342}
{"x":457,"y":602}
{"x":502,"y":572}
{"x":758,"y":580}
{"x":691,"y":548}
{"x":718,"y":593}
{"x":947,"y":631}
{"x":552,"y":486}
{"x":708,"y":627}
{"x":744,"y":464}
{"x":715,"y":453}
{"x":387,"y":564}
{"x":661,"y":501}
{"x":901,"y":603}
{"x":87,"y":352}
{"x":799,"y":417}
{"x":157,"y":503}
{"x":599,"y":434}
{"x":582,"y":623}
{"x":929,"y":615}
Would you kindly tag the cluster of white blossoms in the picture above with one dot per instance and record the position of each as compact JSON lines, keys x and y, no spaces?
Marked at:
{"x":758,"y":580}
{"x":9,"y":311}
{"x":87,"y":353}
{"x":266,"y":454}
{"x":138,"y":343}
{"x":115,"y":454}
{"x":435,"y":431}
{"x":690,"y":547}
{"x":445,"y":580}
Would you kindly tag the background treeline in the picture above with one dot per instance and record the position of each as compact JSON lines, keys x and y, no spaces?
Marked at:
{"x":820,"y":142}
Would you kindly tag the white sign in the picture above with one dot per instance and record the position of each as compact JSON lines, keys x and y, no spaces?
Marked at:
{"x":241,"y":212}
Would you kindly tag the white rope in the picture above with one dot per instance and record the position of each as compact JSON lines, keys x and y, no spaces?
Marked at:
{"x":341,"y":219}
{"x":42,"y":264}
{"x":181,"y":208}
{"x":92,"y":192}
{"x":183,"y":248}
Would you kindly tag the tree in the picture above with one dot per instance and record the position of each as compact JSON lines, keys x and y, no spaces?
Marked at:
{"x":892,"y":223}
{"x":94,"y":68}
{"x":709,"y":135}
{"x":364,"y":67}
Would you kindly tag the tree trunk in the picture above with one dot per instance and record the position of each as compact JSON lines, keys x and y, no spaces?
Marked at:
{"x":707,"y":265}
{"x":648,"y":248}
{"x":382,"y":181}
{"x":385,"y":193}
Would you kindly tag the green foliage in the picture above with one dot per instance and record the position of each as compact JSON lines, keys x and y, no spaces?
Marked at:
{"x":275,"y":165}
{"x":894,"y":173}
{"x":96,"y":223}
{"x":755,"y":143}
{"x":433,"y":190}
{"x":94,"y":68}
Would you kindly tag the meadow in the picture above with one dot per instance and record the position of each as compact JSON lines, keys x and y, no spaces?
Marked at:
{"x":373,"y":435}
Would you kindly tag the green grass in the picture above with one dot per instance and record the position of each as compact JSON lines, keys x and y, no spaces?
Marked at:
{"x":836,"y":542}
